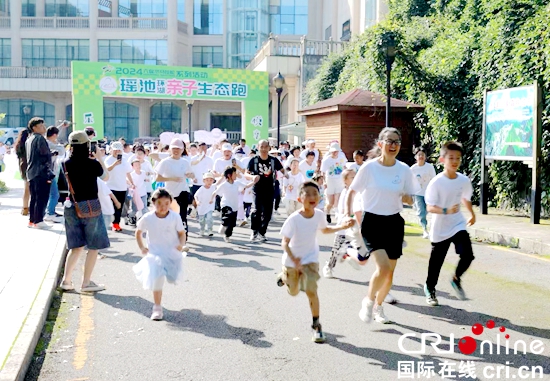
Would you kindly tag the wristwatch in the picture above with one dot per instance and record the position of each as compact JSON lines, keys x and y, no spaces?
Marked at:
{"x":444,"y":210}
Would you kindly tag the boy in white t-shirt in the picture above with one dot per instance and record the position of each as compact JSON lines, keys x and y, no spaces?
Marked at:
{"x":292,"y":185}
{"x":332,"y":166}
{"x":205,"y":204}
{"x":444,"y":195}
{"x":424,"y":173}
{"x":308,"y":166}
{"x":139,"y":196}
{"x":301,"y":250}
{"x":107,"y":200}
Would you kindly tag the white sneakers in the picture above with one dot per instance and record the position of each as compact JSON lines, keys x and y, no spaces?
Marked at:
{"x":425,"y":234}
{"x":54,"y":218}
{"x":157,"y":313}
{"x":327,"y":272}
{"x":42,"y":225}
{"x":227,"y":239}
{"x":379,"y":316}
{"x":366,"y":310}
{"x":390,"y":299}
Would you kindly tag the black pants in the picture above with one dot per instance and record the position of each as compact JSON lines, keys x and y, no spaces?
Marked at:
{"x":463,"y":247}
{"x":121,"y":197}
{"x":40,"y":193}
{"x":247,"y":206}
{"x":229,"y":220}
{"x":218,"y":204}
{"x":183,"y":202}
{"x":261,"y":214}
{"x":277,"y":194}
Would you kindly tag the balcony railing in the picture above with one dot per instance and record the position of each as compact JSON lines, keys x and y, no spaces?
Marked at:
{"x":295,"y":48}
{"x":55,"y":22}
{"x":5,"y":23}
{"x":35,"y":72}
{"x":132,"y":23}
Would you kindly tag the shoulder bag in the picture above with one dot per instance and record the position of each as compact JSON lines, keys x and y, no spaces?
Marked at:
{"x":84,"y":209}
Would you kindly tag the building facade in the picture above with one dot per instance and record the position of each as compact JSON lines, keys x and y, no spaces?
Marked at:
{"x":40,"y":38}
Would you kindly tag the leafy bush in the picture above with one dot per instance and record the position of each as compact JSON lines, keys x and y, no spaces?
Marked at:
{"x":449,"y":52}
{"x":3,"y":187}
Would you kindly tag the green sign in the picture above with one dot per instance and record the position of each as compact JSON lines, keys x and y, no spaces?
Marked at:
{"x":92,"y":81}
{"x":509,"y":123}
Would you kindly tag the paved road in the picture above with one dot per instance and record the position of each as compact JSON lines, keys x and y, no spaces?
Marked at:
{"x":229,"y":321}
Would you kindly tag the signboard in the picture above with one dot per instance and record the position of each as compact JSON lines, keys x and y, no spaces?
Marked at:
{"x":92,"y":81}
{"x":510,"y":121}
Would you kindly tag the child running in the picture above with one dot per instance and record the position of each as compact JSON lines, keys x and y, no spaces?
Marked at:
{"x":424,"y":173}
{"x":205,"y":204}
{"x":301,"y":250}
{"x":292,"y":185}
{"x":229,"y":192}
{"x":166,"y":239}
{"x":443,"y":197}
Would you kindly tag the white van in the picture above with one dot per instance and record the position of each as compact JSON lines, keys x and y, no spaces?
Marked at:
{"x":9,"y":135}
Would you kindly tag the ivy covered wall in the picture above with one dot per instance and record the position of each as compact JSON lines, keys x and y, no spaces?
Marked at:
{"x":449,"y":52}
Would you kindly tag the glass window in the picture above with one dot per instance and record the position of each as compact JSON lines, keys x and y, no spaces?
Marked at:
{"x":20,"y":111}
{"x":181,"y":10}
{"x":54,"y":53}
{"x":4,"y":8}
{"x":208,"y":56}
{"x":165,"y":116}
{"x":148,"y":52}
{"x":370,"y":12}
{"x":28,"y":8}
{"x":208,"y":16}
{"x":289,"y":16}
{"x":120,"y":120}
{"x":67,"y":8}
{"x":143,"y":8}
{"x":5,"y":52}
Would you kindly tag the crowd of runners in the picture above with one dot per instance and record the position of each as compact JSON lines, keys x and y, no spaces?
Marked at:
{"x":157,"y":188}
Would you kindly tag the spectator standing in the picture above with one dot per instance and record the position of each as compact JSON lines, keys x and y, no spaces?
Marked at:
{"x":21,"y":153}
{"x":119,"y":173}
{"x":39,"y":172}
{"x":58,"y":155}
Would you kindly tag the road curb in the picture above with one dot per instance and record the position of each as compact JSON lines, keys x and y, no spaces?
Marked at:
{"x":527,"y":245}
{"x":21,"y":353}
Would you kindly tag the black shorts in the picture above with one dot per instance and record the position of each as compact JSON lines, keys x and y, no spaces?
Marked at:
{"x":383,"y":233}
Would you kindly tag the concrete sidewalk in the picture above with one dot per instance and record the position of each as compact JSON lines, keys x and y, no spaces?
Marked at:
{"x":31,"y":260}
{"x":504,"y":229}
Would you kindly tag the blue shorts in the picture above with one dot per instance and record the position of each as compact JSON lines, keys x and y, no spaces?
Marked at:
{"x":89,"y":232}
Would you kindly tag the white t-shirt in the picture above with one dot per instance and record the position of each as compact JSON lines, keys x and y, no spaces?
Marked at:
{"x":304,"y":153}
{"x":423,"y":175}
{"x":146,"y":167}
{"x":221,"y":164}
{"x":293,"y":181}
{"x":244,"y":162}
{"x":203,"y":166}
{"x":174,"y":168}
{"x":384,"y":186}
{"x":103,"y":193}
{"x":333,"y":168}
{"x":308,"y":170}
{"x":162,"y":233}
{"x":445,"y":193}
{"x":204,"y":195}
{"x":117,"y":177}
{"x":354,"y":166}
{"x":216,"y":155}
{"x":248,"y":196}
{"x":303,"y":237}
{"x":341,"y":155}
{"x":230,"y":194}
{"x":139,"y":182}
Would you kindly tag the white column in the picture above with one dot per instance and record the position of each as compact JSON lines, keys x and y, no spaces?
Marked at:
{"x":16,"y":48}
{"x":172,"y":15}
{"x":336,"y":27}
{"x":93,"y":30}
{"x":292,"y":90}
{"x":40,"y":8}
{"x":114,"y":8}
{"x":144,"y":117}
{"x":355,"y":9}
{"x":60,"y":111}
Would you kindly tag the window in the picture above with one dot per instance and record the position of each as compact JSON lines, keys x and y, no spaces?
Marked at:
{"x":142,"y":8}
{"x":288,"y":16}
{"x":20,"y":111}
{"x":181,"y":10}
{"x":54,"y":53}
{"x":328,"y":33}
{"x":5,"y":52}
{"x":208,"y":56}
{"x":4,"y":8}
{"x":346,"y":31}
{"x":120,"y":119}
{"x":67,"y":8}
{"x":148,"y":52}
{"x":208,"y":16}
{"x":370,"y":12}
{"x":165,"y":116}
{"x":28,"y":8}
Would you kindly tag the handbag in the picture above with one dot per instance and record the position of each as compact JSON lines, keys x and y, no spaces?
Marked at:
{"x":84,"y":209}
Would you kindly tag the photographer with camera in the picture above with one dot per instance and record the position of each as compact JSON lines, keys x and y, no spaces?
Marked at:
{"x":119,"y":173}
{"x":58,"y":155}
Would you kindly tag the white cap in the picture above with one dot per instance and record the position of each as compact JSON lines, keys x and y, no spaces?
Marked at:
{"x":227,"y":147}
{"x":117,"y":146}
{"x":334,"y":147}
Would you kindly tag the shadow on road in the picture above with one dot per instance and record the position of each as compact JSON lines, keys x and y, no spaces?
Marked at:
{"x":226,"y":262}
{"x":191,"y":320}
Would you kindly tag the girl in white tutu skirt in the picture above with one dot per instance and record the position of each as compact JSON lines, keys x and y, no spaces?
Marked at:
{"x":163,"y":254}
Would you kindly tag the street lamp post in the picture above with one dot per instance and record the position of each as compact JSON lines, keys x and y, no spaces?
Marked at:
{"x":189,"y":108}
{"x":389,"y":52}
{"x":278,"y":82}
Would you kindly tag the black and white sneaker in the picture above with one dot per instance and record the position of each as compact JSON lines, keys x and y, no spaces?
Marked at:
{"x":457,"y":287}
{"x":262,"y":238}
{"x":318,"y":335}
{"x":254,"y":237}
{"x":430,"y":296}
